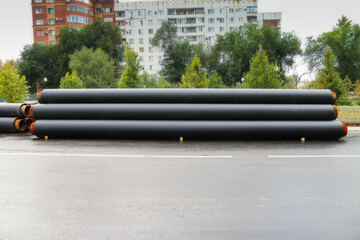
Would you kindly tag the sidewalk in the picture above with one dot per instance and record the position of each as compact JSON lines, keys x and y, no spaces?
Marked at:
{"x":354,"y":128}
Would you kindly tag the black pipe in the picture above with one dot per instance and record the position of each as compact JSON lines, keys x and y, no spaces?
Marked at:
{"x":12,"y":125}
{"x":14,"y":110}
{"x":184,"y":111}
{"x":190,"y":130}
{"x":251,"y":96}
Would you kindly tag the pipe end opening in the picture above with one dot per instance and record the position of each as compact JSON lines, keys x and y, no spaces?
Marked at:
{"x":20,"y":125}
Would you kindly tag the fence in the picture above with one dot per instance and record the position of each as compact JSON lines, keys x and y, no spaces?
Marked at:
{"x":349,"y":114}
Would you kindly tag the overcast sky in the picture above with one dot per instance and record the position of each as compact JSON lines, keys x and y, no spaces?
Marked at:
{"x":305,"y":18}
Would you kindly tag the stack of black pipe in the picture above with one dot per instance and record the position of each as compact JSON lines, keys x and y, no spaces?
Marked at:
{"x":14,"y":117}
{"x":197,"y":114}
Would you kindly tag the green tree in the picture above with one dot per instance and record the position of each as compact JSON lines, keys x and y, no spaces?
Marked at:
{"x":176,"y":53}
{"x":329,"y":78}
{"x":71,"y":81}
{"x":12,"y":87}
{"x":230,"y":56}
{"x":130,"y":77}
{"x":344,"y":41}
{"x":95,"y":35}
{"x":195,"y":76}
{"x":357,"y":89}
{"x":262,"y":74}
{"x":95,"y":68}
{"x":39,"y":61}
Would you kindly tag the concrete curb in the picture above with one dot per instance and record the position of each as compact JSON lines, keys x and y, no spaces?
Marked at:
{"x":354,"y":128}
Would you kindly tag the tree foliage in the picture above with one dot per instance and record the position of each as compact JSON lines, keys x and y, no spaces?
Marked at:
{"x":344,"y":41}
{"x":262,"y":74}
{"x":130,"y":77}
{"x":176,"y":53}
{"x":71,"y":81}
{"x":195,"y":77}
{"x":12,"y":87}
{"x":95,"y":68}
{"x":39,"y":61}
{"x":96,"y":35}
{"x":230,"y":56}
{"x":329,"y":78}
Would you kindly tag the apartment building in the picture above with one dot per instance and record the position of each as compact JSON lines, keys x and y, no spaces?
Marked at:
{"x":271,"y":18}
{"x":196,"y":21}
{"x":51,"y":15}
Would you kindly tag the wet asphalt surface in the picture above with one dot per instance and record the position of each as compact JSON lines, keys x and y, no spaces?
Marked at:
{"x":81,"y":189}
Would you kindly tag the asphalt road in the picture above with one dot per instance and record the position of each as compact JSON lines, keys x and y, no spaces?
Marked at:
{"x":71,"y":189}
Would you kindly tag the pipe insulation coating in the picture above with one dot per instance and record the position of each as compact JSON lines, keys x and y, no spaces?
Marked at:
{"x":250,"y":96}
{"x":14,"y":110}
{"x":12,"y":125}
{"x":191,"y":130}
{"x":184,"y":112}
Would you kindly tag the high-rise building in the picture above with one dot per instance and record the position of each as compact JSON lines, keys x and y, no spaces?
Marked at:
{"x":271,"y":18}
{"x":51,"y":15}
{"x":195,"y":20}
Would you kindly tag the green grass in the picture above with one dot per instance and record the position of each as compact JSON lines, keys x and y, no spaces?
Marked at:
{"x":349,"y":114}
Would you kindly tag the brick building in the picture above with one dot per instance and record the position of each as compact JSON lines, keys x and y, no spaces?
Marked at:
{"x":51,"y":15}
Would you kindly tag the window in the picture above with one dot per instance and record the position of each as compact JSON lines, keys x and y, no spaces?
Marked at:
{"x":39,"y":22}
{"x":151,"y":58}
{"x":141,"y":22}
{"x":222,"y":20}
{"x":38,"y":10}
{"x":40,"y":33}
{"x":161,"y":12}
{"x":200,"y":20}
{"x":50,"y":1}
{"x":160,"y":21}
{"x":131,"y":32}
{"x":150,"y":40}
{"x":52,"y":42}
{"x":241,"y":19}
{"x":51,"y":21}
{"x":37,"y":1}
{"x":141,"y":49}
{"x":211,"y":29}
{"x":141,"y":40}
{"x":222,"y":11}
{"x":77,"y":8}
{"x":150,"y":49}
{"x":141,"y":31}
{"x":108,"y":10}
{"x":142,"y":67}
{"x":201,"y":38}
{"x":151,"y":67}
{"x":130,"y":23}
{"x":52,"y":32}
{"x":222,"y":29}
{"x":108,"y":19}
{"x":231,"y":19}
{"x":150,"y":13}
{"x":252,"y":9}
{"x":150,"y":22}
{"x":240,"y":10}
{"x":78,"y":19}
{"x":231,"y":29}
{"x":231,"y":10}
{"x":50,"y":11}
{"x":199,"y":29}
{"x":131,"y":41}
{"x":212,"y":38}
{"x":210,"y":11}
{"x":98,"y":10}
{"x":140,"y":13}
{"x":151,"y":31}
{"x":160,"y":58}
{"x":211,"y":20}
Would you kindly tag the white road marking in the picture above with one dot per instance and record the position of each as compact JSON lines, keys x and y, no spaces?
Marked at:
{"x":314,"y":156}
{"x":105,"y":155}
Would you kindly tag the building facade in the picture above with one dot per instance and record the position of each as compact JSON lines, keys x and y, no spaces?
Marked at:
{"x":51,"y":15}
{"x":271,"y":18}
{"x":196,"y":21}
